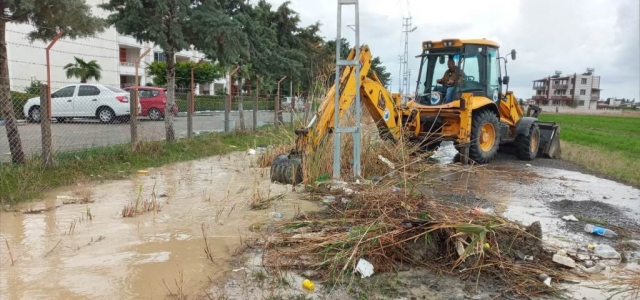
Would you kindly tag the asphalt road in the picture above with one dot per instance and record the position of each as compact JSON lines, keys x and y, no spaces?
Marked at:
{"x":82,"y":134}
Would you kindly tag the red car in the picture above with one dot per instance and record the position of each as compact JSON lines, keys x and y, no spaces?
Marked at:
{"x":153,"y":101}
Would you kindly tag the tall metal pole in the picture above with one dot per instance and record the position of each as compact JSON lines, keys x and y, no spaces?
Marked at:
{"x":356,"y":133}
{"x":400,"y":74}
{"x":336,"y":103}
{"x":293,"y":103}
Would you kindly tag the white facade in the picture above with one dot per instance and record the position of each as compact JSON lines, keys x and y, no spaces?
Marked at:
{"x":581,"y":91}
{"x":115,"y":53}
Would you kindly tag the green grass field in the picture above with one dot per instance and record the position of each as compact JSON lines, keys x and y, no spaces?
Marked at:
{"x":606,"y":144}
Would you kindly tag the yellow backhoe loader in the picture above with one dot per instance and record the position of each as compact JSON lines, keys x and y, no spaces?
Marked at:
{"x":469,"y":105}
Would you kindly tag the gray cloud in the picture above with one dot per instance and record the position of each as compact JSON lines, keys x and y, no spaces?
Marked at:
{"x":568,"y":35}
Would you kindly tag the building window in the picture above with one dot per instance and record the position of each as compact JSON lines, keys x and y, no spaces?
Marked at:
{"x":583,"y":81}
{"x":158,"y":56}
{"x":581,"y":103}
{"x":583,"y":92}
{"x":123,"y":55}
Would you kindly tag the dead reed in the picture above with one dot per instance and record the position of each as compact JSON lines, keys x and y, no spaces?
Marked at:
{"x":9,"y":250}
{"x":207,"y":250}
{"x":391,"y":229}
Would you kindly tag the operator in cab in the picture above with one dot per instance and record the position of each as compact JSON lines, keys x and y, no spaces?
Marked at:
{"x":448,"y":80}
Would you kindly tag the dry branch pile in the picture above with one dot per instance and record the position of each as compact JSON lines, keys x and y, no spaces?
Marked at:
{"x":393,"y":230}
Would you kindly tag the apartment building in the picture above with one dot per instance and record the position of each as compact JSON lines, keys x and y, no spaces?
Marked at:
{"x":115,"y":53}
{"x":581,"y":91}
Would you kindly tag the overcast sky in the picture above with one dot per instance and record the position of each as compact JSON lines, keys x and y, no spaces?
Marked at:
{"x":568,"y":35}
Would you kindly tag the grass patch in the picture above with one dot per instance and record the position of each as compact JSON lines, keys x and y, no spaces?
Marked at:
{"x":20,"y":183}
{"x":604,"y":144}
{"x":592,"y":221}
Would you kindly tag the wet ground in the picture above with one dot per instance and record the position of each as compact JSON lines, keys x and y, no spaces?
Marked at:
{"x":61,"y":254}
{"x":89,"y":251}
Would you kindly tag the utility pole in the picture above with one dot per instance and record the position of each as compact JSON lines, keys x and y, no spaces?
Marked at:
{"x":406,"y":29}
{"x":400,"y":75}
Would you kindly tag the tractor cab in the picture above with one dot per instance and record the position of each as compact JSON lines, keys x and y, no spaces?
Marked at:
{"x":449,"y":68}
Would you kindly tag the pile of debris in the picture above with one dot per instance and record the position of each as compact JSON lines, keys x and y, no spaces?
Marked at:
{"x":384,"y":227}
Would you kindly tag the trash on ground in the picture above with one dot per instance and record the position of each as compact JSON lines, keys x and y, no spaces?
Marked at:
{"x":252,"y":152}
{"x":528,"y":165}
{"x":329,"y":199}
{"x":561,"y":258}
{"x":143,"y":172}
{"x":606,"y":251}
{"x":387,"y":162}
{"x":395,"y":189}
{"x":275,"y":215}
{"x":595,"y":269}
{"x":571,"y":218}
{"x":365,"y":268}
{"x":308,"y":285}
{"x":590,"y":228}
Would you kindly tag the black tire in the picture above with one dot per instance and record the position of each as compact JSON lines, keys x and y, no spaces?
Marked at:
{"x":527,"y":146}
{"x":106,"y":115}
{"x":34,"y":114}
{"x":481,"y":150}
{"x":286,"y":169}
{"x":155,"y":114}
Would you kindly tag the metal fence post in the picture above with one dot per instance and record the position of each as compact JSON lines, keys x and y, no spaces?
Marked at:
{"x":255,"y":104}
{"x":278,"y":117}
{"x":190,"y":96}
{"x":133,"y":104}
{"x":45,"y":127}
{"x":227,"y":106}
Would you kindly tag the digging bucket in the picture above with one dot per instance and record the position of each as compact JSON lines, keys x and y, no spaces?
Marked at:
{"x":549,"y":139}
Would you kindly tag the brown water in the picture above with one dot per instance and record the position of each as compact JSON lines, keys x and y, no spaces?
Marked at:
{"x":135,"y":255}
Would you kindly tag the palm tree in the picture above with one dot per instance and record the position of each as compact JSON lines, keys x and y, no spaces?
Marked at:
{"x":83,"y":70}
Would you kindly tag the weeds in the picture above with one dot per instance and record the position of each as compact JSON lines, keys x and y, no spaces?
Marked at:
{"x":207,"y":250}
{"x":131,"y":210}
{"x":9,"y":250}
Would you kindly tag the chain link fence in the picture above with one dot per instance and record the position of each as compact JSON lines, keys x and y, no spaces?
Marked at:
{"x":88,"y":116}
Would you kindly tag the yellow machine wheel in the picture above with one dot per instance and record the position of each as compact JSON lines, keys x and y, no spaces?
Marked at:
{"x":527,"y":146}
{"x":484,"y":136}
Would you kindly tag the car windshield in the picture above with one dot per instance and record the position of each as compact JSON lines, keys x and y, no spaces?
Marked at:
{"x":115,"y":90}
{"x":433,"y":67}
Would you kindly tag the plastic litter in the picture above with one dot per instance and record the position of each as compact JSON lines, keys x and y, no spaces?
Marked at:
{"x":143,"y":172}
{"x":595,"y":269}
{"x":395,"y":189}
{"x":387,"y":162}
{"x":308,"y":285}
{"x":590,"y":228}
{"x":328,"y":199}
{"x":606,"y":251}
{"x":365,"y":268}
{"x":561,"y":258}
{"x":275,"y":215}
{"x":252,"y":152}
{"x":571,"y":218}
{"x":528,"y":165}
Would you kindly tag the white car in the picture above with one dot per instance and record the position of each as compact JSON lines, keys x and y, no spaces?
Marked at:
{"x":82,"y":100}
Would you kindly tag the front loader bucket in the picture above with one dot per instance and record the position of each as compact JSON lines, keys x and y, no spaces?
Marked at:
{"x":549,"y":140}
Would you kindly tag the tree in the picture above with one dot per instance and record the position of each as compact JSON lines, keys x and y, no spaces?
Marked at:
{"x":381,"y":71}
{"x":47,"y":17}
{"x":83,"y":70}
{"x":176,"y":25}
{"x":204,"y":73}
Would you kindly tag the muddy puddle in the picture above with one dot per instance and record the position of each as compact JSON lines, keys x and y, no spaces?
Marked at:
{"x":89,"y":251}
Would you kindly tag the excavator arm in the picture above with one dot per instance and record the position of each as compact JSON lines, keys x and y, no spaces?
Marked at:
{"x":381,"y":104}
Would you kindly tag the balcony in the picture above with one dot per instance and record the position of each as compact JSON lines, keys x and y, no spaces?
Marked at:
{"x":560,"y":98}
{"x":540,"y":88}
{"x":129,"y":41}
{"x":539,"y":97}
{"x":560,"y":86}
{"x":127,"y":68}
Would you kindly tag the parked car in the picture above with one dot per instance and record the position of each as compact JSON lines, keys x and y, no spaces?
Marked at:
{"x":287,"y":101}
{"x":102,"y":102}
{"x":153,"y":101}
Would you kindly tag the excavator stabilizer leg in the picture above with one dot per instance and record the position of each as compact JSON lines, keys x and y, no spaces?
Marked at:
{"x":287,"y":169}
{"x":549,"y":140}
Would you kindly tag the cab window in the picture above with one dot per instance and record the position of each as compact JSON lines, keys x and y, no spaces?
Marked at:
{"x":493,"y":67}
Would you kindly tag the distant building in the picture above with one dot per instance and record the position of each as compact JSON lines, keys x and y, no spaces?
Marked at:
{"x":581,"y":91}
